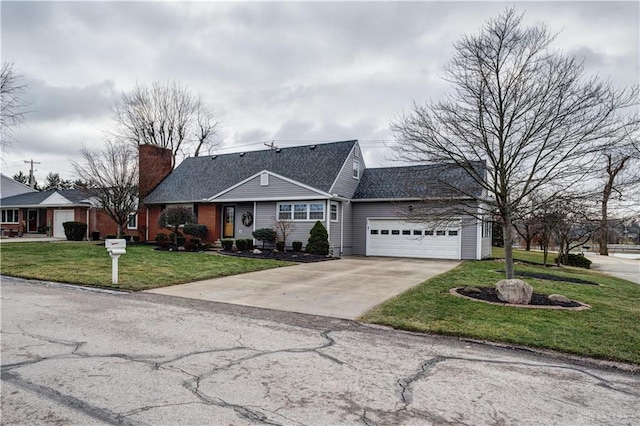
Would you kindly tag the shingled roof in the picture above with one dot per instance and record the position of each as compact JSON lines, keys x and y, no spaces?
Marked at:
{"x":33,"y":199}
{"x":418,"y":182}
{"x":199,"y":178}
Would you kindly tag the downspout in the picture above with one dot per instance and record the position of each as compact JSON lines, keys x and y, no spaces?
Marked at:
{"x":146,"y":231}
{"x":327,"y":203}
{"x":255,"y":217}
{"x":88,"y":224}
{"x":341,"y":228}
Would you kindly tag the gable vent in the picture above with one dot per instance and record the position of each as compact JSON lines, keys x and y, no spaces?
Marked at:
{"x":312,"y":147}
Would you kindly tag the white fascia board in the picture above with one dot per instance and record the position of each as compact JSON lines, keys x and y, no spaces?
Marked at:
{"x":373,"y":200}
{"x":286,"y":179}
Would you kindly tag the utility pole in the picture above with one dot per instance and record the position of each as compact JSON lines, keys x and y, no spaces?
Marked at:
{"x":271,"y":145}
{"x":32,"y":179}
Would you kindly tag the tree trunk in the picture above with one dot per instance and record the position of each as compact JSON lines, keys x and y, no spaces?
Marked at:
{"x":604,"y":225}
{"x":508,"y":247}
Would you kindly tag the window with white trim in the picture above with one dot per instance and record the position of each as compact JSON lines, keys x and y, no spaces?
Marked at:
{"x":356,"y":169}
{"x":334,"y":212}
{"x":301,"y":211}
{"x":132,"y":222}
{"x":486,"y":228}
{"x":10,"y":216}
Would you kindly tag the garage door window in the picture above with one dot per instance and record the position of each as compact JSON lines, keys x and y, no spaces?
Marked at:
{"x":441,"y":233}
{"x":453,"y":233}
{"x":417,"y":232}
{"x":395,"y":232}
{"x":374,"y":232}
{"x":428,"y":232}
{"x":384,"y":232}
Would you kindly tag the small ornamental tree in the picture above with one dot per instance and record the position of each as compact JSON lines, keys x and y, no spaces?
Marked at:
{"x":318,"y":240}
{"x":173,"y":217}
{"x":266,"y":235}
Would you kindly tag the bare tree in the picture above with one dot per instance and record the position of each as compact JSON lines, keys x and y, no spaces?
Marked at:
{"x":113,"y":176}
{"x":524,"y":110}
{"x":574,"y":226}
{"x":284,"y":229}
{"x":620,"y":172}
{"x":167,"y":115}
{"x":12,"y":104}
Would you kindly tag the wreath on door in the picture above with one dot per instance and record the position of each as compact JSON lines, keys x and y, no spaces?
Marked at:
{"x":247,"y":218}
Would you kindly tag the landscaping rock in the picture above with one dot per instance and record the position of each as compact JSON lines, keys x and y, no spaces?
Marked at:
{"x":471,"y":290}
{"x":256,"y":251}
{"x":559,"y":298}
{"x":514,"y":291}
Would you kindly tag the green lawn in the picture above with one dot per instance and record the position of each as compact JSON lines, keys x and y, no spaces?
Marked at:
{"x":141,"y":268}
{"x":610,"y":330}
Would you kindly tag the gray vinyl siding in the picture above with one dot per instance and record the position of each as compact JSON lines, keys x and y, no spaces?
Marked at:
{"x":277,"y":189}
{"x":468,"y":237}
{"x":334,"y":231}
{"x":347,"y":221}
{"x":486,"y":248}
{"x":362,"y":211}
{"x":345,"y":185}
{"x":266,"y":218}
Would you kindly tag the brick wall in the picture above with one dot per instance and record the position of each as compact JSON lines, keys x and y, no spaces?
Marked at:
{"x":154,"y":164}
{"x":208,"y":215}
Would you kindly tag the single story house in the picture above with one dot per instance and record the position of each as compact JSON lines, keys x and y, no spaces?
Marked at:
{"x":44,"y":212}
{"x":363,"y":209}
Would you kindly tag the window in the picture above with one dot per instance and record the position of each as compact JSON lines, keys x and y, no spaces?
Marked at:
{"x":334,"y":212}
{"x":406,"y":232}
{"x":384,"y":232}
{"x":374,"y":232}
{"x":453,"y":233}
{"x":417,"y":232}
{"x":356,"y":169}
{"x":132,"y":223}
{"x":301,"y":211}
{"x":356,"y":151}
{"x":395,"y":232}
{"x":10,"y":216}
{"x":441,"y":232}
{"x":428,"y":232}
{"x":284,"y":212}
{"x":486,"y":228}
{"x":316,"y":211}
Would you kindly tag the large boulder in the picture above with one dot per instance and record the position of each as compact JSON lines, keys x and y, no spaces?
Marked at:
{"x":514,"y":291}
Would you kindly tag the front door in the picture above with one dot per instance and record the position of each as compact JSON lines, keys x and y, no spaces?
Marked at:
{"x":228,"y":221}
{"x":32,"y":220}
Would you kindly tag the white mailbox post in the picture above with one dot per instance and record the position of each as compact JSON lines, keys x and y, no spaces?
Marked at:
{"x":115,"y":247}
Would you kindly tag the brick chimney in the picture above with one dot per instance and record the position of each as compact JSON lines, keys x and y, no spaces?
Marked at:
{"x":154,"y":164}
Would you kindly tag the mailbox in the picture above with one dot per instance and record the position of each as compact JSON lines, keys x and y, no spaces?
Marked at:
{"x":115,"y":247}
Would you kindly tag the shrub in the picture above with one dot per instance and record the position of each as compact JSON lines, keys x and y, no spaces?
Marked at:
{"x":75,"y":231}
{"x":195,"y":230}
{"x":180,"y":240}
{"x":266,"y":235}
{"x":136,"y":238}
{"x":110,"y":237}
{"x":195,"y":241}
{"x":241,"y":244}
{"x":174,"y":217}
{"x":227,"y":244}
{"x":577,"y":260}
{"x":297,"y":246}
{"x":280,"y":246}
{"x":318,"y":240}
{"x":162,"y":238}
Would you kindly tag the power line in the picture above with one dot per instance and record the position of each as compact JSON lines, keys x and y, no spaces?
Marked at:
{"x":32,"y":179}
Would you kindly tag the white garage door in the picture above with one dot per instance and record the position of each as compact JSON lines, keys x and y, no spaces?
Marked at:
{"x":60,"y":217}
{"x":398,"y":238}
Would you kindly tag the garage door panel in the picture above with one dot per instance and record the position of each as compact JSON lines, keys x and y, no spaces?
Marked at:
{"x":392,"y":237}
{"x":60,"y":217}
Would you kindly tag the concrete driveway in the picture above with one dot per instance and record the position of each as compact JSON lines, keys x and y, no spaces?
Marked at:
{"x":628,"y":269}
{"x":344,"y":288}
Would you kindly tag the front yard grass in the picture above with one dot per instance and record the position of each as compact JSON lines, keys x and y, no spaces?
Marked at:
{"x":141,"y":268}
{"x":609,"y":330}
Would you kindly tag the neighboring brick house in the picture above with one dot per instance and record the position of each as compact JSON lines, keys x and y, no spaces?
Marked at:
{"x":362,"y":208}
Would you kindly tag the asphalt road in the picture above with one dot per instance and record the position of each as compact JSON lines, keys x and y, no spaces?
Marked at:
{"x":73,"y":356}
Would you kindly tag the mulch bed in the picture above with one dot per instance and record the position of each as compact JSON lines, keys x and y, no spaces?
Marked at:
{"x":489,"y":294}
{"x":289,"y":256}
{"x":552,"y":277}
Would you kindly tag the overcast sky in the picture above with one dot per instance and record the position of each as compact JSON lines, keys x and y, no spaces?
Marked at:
{"x":293,"y":72}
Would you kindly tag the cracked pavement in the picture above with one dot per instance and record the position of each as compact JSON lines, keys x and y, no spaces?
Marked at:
{"x":72,"y":356}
